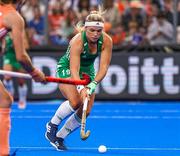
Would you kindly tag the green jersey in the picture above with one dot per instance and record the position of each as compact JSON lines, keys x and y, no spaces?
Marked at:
{"x":9,"y":56}
{"x":86,"y":59}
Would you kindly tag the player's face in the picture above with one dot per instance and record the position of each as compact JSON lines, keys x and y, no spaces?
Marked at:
{"x":93,"y":33}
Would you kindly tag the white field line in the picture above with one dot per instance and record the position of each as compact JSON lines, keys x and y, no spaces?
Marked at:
{"x":104,"y":111}
{"x":98,"y":117}
{"x":96,"y":148}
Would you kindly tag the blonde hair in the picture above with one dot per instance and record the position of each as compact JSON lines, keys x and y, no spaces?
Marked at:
{"x":96,"y":16}
{"x":79,"y":27}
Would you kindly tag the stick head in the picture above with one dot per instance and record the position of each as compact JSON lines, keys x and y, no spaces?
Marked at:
{"x":86,"y":77}
{"x":84,"y":135}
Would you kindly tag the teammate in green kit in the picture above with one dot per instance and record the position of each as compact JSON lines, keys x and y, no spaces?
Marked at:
{"x":10,"y":63}
{"x":90,"y":42}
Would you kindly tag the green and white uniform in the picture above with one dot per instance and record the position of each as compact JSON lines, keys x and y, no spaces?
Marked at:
{"x":86,"y":60}
{"x":9,"y":56}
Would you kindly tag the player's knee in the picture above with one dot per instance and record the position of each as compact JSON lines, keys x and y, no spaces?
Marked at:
{"x":76,"y":104}
{"x":7,"y":100}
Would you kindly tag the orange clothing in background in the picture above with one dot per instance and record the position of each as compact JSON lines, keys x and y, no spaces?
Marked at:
{"x":121,"y":7}
{"x":118,"y":38}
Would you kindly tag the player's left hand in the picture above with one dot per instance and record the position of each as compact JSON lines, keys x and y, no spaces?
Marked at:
{"x":92,"y":87}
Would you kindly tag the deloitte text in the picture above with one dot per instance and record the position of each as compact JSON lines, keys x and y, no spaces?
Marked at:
{"x":140,"y":76}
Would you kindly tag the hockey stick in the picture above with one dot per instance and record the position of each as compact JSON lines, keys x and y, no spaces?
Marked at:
{"x":3,"y":32}
{"x":84,"y":135}
{"x":84,"y":81}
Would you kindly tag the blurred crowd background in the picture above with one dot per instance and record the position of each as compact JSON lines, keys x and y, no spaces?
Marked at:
{"x":128,"y":22}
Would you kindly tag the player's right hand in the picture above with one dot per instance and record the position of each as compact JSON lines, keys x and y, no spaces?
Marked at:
{"x":38,"y":76}
{"x":92,"y":87}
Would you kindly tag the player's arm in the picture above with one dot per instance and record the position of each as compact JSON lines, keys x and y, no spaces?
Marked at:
{"x":26,"y":41}
{"x":17,"y":31}
{"x":75,"y":52}
{"x":105,"y":59}
{"x":15,"y":22}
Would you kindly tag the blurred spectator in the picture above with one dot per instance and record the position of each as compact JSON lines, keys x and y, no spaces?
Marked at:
{"x":153,"y":10}
{"x":65,"y":3}
{"x":178,"y":28}
{"x":178,"y":34}
{"x":82,"y":16}
{"x":94,"y":3}
{"x":112,"y":15}
{"x":122,"y":5}
{"x":178,"y":13}
{"x":168,"y":9}
{"x":118,"y":35}
{"x":160,"y":31}
{"x":134,"y":37}
{"x":56,"y":17}
{"x":112,"y":24}
{"x":135,"y":12}
{"x":126,"y":21}
{"x":83,"y":9}
{"x":68,"y":25}
{"x":150,"y":8}
{"x":83,"y":5}
{"x":158,"y":3}
{"x":27,"y":9}
{"x":36,"y":27}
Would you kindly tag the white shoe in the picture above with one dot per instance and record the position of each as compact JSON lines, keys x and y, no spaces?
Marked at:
{"x":22,"y":105}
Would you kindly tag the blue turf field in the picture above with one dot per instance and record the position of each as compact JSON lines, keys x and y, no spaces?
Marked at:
{"x":126,"y":128}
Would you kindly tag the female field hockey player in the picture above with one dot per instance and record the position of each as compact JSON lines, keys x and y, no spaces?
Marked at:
{"x":11,"y":20}
{"x":89,"y":43}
